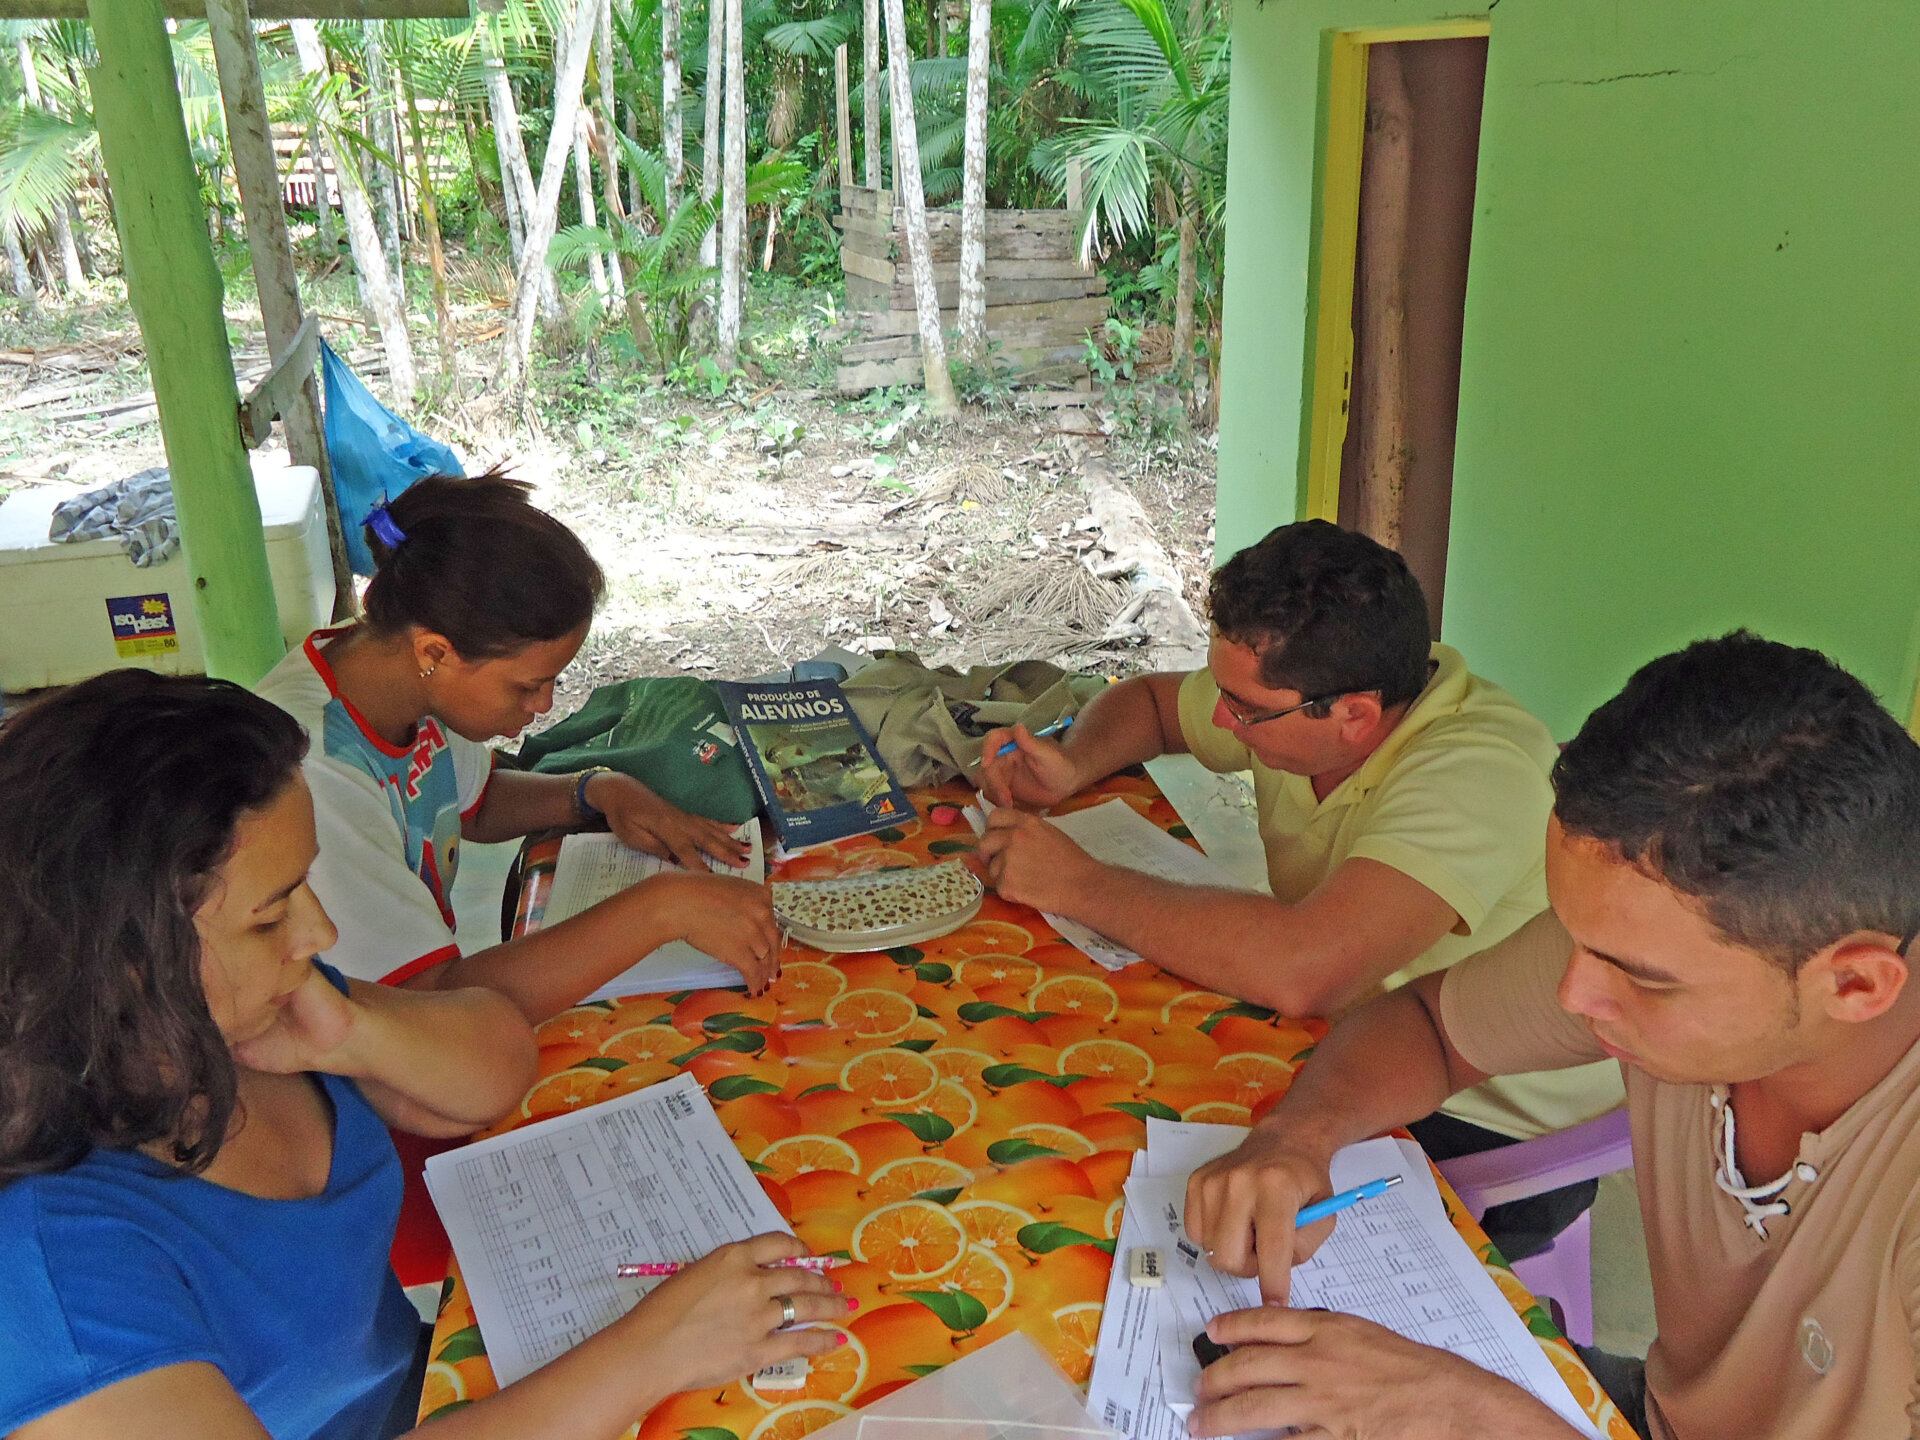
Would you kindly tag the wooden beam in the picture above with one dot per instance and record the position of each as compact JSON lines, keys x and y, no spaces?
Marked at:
{"x":174,"y":286}
{"x":842,"y":117}
{"x":262,"y":10}
{"x":281,"y":387}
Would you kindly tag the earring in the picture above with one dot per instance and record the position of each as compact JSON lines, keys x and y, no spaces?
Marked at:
{"x":428,"y":672}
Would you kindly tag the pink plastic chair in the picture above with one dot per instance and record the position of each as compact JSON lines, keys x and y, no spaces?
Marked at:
{"x":1564,"y":1270}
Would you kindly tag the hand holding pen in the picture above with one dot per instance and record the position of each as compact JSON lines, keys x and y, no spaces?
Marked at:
{"x":1014,"y":770}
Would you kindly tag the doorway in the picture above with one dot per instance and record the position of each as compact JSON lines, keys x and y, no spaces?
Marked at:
{"x":1402,"y":142}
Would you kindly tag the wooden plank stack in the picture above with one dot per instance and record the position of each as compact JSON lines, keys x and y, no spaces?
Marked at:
{"x":1041,"y":300}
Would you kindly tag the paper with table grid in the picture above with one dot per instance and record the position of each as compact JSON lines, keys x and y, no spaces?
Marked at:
{"x":1395,"y":1259}
{"x":539,"y":1218}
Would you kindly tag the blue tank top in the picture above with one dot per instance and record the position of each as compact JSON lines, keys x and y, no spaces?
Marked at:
{"x":121,"y":1265}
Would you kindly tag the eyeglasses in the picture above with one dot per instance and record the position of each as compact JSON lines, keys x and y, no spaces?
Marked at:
{"x":1247,"y":719}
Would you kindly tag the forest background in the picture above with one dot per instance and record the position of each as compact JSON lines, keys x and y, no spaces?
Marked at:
{"x":527,"y":237}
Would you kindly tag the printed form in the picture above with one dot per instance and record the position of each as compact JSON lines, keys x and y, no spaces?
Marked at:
{"x":593,"y":867}
{"x":1395,"y":1259}
{"x":540,"y":1218}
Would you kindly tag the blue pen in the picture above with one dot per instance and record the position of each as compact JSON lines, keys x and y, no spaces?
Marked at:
{"x":1334,"y":1204}
{"x":1042,"y":734}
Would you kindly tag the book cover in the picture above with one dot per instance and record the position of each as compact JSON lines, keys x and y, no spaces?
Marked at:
{"x":813,"y":763}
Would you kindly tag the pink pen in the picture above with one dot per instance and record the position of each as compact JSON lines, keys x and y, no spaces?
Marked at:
{"x":651,"y":1269}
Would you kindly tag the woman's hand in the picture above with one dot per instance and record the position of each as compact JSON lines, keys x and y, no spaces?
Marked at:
{"x":646,"y":822}
{"x":731,"y":919}
{"x":313,"y":1024}
{"x":720,"y":1319}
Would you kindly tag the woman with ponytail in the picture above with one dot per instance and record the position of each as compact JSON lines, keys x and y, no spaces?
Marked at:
{"x":478,"y":603}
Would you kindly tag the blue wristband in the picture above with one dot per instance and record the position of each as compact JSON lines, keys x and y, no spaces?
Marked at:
{"x":583,"y":807}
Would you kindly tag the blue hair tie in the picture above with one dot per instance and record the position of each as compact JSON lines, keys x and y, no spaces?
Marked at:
{"x":381,"y":523}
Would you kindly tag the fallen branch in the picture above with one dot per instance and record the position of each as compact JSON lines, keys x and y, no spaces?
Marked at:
{"x":1158,"y":613}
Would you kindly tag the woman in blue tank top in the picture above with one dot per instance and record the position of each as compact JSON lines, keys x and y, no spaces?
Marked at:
{"x":197,"y":1191}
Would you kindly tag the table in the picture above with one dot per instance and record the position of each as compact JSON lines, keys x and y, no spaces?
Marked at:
{"x":958,"y":1114}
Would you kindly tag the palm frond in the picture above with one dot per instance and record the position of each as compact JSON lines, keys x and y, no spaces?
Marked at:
{"x":43,"y":160}
{"x":812,"y":39}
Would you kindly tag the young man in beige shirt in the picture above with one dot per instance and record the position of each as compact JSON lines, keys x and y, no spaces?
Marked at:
{"x":1734,"y":864}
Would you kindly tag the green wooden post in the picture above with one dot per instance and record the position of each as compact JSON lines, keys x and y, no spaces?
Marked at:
{"x":175,"y":288}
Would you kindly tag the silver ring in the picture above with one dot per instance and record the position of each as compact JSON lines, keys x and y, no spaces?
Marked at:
{"x":787,"y":1313}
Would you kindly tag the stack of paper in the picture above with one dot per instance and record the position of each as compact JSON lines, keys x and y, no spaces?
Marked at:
{"x":540,"y":1218}
{"x":595,"y":867}
{"x":1395,"y":1259}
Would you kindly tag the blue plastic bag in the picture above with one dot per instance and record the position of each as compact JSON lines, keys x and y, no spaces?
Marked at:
{"x":374,"y":453}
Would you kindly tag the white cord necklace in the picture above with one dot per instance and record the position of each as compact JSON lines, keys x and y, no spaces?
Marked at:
{"x":1728,"y":1177}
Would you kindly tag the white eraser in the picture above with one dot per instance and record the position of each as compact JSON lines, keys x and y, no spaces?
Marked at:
{"x":787,"y":1375}
{"x":1144,"y":1267}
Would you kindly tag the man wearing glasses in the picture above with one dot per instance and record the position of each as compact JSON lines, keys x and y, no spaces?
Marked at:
{"x":1403,"y":808}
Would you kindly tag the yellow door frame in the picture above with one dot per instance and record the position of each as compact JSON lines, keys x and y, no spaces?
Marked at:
{"x":1330,"y":375}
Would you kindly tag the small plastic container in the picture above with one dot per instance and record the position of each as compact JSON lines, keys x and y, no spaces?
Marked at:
{"x":879,"y":909}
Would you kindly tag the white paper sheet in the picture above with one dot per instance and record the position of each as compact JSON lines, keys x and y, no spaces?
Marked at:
{"x":1125,"y":1391}
{"x":540,"y":1218}
{"x":1395,"y":1259}
{"x":596,"y":866}
{"x":1114,"y":833}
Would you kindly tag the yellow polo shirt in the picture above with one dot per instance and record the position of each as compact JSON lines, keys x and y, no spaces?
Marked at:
{"x":1457,"y":798}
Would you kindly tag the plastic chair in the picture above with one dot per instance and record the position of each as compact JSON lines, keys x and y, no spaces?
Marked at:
{"x":1564,"y":1270}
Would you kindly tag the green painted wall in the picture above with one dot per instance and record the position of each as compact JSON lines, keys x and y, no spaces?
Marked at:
{"x":1692,"y":347}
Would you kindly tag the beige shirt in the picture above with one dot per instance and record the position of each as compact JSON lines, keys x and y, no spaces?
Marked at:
{"x":1807,"y":1333}
{"x":1457,"y":798}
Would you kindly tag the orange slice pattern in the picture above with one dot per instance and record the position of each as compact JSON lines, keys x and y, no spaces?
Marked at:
{"x":869,"y":1088}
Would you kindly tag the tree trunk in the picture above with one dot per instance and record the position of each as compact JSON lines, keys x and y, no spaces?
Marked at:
{"x":870,"y":89}
{"x":973,"y":187}
{"x":583,"y":185}
{"x":1386,"y":180}
{"x":546,"y":212}
{"x":386,"y":137}
{"x":1186,"y":277}
{"x":62,"y":225}
{"x":672,"y":140}
{"x":906,"y":141}
{"x":368,"y":258}
{"x":78,"y":225}
{"x":733,"y":191}
{"x":506,"y":129}
{"x":436,"y":254}
{"x":710,"y":162}
{"x":602,"y":131}
{"x":515,"y":173}
{"x":17,"y":260}
{"x":256,"y":172}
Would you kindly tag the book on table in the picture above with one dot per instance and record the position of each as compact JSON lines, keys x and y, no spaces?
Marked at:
{"x":818,"y":773}
{"x":595,"y":866}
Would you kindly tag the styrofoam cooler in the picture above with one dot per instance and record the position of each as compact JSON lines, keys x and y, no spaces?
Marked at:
{"x":68,"y":611}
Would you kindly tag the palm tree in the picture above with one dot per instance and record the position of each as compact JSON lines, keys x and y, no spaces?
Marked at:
{"x":665,"y":278}
{"x":1166,"y":81}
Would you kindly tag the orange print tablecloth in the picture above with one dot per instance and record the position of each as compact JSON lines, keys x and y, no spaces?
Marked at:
{"x":956,"y":1117}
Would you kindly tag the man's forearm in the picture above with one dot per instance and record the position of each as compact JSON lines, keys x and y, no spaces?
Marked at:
{"x":1123,"y":725}
{"x":1247,"y":945}
{"x":1384,"y":1065}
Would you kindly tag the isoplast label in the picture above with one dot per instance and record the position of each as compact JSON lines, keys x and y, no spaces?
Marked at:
{"x":143,"y":625}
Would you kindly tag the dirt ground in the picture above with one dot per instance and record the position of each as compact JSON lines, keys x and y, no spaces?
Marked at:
{"x":740,"y":533}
